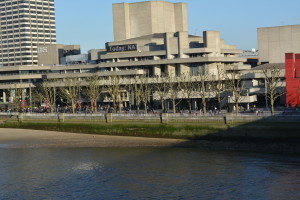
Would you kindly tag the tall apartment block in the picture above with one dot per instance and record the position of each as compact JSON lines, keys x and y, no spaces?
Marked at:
{"x":25,"y":25}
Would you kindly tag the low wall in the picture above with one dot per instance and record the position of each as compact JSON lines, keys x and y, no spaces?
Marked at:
{"x":147,"y":117}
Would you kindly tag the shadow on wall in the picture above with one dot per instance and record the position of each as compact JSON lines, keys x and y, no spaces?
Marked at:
{"x":275,"y":134}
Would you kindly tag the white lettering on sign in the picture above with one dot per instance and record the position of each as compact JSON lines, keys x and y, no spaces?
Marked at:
{"x":122,"y":48}
{"x":42,"y":50}
{"x":132,"y":47}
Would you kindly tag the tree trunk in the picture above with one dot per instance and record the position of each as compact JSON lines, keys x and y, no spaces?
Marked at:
{"x":174,"y":106}
{"x":162,"y":105}
{"x":73,"y":106}
{"x":120,"y":107}
{"x":137,"y":104}
{"x":115,"y":104}
{"x":51,"y":109}
{"x":219,"y":102}
{"x":204,"y":106}
{"x":138,"y":107}
{"x":190,"y":106}
{"x":236,"y":109}
{"x":145,"y":107}
{"x":92,"y":105}
{"x":95,"y":106}
{"x":272,"y":105}
{"x":54,"y":99}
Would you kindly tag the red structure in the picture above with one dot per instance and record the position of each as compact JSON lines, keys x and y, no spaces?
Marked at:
{"x":292,"y":74}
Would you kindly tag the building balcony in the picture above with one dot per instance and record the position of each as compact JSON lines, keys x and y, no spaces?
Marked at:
{"x":237,"y":67}
{"x":231,"y":51}
{"x":133,"y":54}
{"x":20,"y":77}
{"x":243,"y":99}
{"x":175,"y":61}
{"x":13,"y":85}
{"x":198,"y":50}
{"x":101,"y":74}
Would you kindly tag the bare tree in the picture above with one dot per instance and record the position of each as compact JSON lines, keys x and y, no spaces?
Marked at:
{"x":137,"y":95}
{"x":48,"y":93}
{"x":187,"y":86}
{"x":129,"y":87}
{"x":93,"y":90}
{"x":174,"y":87}
{"x":160,"y":87}
{"x":71,"y":91}
{"x":273,"y":83}
{"x":145,"y":91}
{"x":37,"y":98}
{"x":235,"y":87}
{"x":16,"y":95}
{"x":202,"y":87}
{"x":218,"y":86}
{"x":114,"y":88}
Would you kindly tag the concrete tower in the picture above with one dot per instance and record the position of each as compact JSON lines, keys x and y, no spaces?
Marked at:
{"x":25,"y":25}
{"x":133,"y":20}
{"x":274,"y":42}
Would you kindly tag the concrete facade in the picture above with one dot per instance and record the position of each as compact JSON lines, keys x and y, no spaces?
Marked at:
{"x":52,"y":54}
{"x":146,"y":18}
{"x":274,"y":42}
{"x":173,"y":54}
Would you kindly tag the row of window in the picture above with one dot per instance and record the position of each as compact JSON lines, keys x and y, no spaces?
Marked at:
{"x":17,"y":54}
{"x":28,"y":30}
{"x":26,"y":2}
{"x":17,"y":59}
{"x":17,"y":12}
{"x":26,"y":16}
{"x":39,"y":34}
{"x":28,"y":25}
{"x":18,"y":63}
{"x":16,"y":50}
{"x":41,"y":7}
{"x":24,"y":44}
{"x":26,"y":20}
{"x":6,"y":8}
{"x":23,"y":40}
{"x":27,"y":35}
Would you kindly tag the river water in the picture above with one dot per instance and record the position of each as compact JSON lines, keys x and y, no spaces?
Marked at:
{"x":146,"y":173}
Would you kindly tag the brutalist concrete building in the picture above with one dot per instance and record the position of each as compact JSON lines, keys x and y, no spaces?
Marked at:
{"x":151,"y":40}
{"x":273,"y":43}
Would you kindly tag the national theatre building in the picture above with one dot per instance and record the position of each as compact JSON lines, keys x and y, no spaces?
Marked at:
{"x":151,"y":40}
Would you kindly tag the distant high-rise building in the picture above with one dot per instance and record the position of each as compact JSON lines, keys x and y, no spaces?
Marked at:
{"x":25,"y":25}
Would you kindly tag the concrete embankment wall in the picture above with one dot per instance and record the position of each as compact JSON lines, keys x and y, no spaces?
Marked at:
{"x":228,"y":118}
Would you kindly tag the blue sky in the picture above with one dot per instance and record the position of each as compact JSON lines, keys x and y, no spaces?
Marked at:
{"x":89,"y":23}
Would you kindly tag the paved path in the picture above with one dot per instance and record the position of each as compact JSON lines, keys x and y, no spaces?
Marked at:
{"x":22,"y":138}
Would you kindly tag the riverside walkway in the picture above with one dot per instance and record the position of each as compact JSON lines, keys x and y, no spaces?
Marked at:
{"x":23,"y":138}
